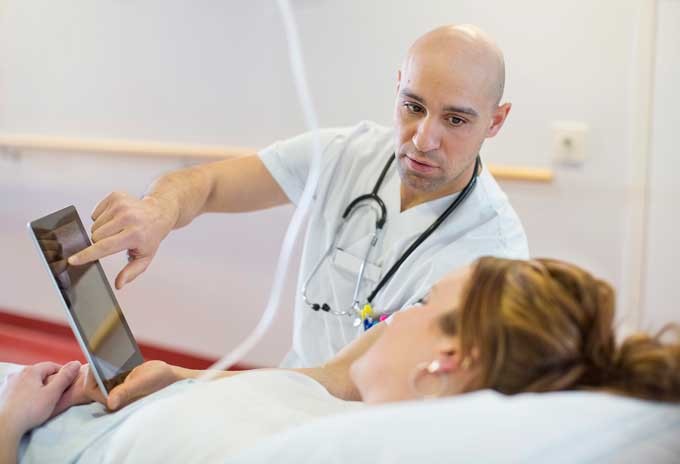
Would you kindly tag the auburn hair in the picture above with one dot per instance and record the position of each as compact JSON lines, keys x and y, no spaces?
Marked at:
{"x":545,"y":325}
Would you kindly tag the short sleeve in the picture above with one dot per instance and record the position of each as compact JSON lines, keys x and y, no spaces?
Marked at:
{"x":288,"y":161}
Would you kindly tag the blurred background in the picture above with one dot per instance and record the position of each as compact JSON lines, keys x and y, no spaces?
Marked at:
{"x":594,"y":101}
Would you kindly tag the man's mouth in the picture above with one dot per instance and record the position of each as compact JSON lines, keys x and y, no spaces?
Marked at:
{"x":419,"y":165}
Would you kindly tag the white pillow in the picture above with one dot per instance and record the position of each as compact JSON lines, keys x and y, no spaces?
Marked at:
{"x":486,"y":427}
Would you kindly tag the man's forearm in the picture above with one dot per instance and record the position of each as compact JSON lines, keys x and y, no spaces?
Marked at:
{"x":182,"y":194}
{"x":238,"y":184}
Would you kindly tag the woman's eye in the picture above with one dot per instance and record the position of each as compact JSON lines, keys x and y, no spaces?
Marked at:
{"x":421,"y":301}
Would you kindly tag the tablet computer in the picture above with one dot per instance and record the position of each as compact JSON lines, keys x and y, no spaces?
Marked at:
{"x":93,"y":312}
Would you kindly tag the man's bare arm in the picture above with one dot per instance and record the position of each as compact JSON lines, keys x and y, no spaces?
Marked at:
{"x":234,"y":185}
{"x":124,"y":222}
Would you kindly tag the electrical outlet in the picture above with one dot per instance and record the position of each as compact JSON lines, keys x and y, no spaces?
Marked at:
{"x":569,"y":142}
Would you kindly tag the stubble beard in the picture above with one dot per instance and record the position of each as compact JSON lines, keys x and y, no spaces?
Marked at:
{"x":416,"y":181}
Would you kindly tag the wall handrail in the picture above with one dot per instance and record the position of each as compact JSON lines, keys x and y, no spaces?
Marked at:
{"x":20,"y":143}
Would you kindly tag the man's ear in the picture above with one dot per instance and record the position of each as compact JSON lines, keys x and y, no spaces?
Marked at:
{"x":398,"y":79}
{"x":498,"y":118}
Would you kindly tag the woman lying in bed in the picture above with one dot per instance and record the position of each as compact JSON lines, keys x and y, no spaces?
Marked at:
{"x":512,"y":326}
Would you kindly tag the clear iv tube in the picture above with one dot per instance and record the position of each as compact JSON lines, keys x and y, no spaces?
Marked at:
{"x":298,"y":70}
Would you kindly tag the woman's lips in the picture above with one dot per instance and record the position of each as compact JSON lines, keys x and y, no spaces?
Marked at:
{"x":419,"y":166}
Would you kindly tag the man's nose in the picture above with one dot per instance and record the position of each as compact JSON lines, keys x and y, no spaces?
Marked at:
{"x":427,"y":137}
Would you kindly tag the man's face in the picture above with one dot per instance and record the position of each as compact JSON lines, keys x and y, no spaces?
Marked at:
{"x":443,"y":113}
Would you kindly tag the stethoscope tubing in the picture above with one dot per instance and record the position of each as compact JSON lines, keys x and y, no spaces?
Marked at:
{"x":361,"y":201}
{"x":423,"y":236}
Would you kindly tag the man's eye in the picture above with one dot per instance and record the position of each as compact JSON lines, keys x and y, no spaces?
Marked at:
{"x":413,"y":108}
{"x":456,"y":121}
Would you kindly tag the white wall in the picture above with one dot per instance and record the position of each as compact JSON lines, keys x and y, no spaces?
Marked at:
{"x":216,"y":72}
{"x":661,"y":282}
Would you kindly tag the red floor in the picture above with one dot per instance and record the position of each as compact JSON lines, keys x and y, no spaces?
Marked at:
{"x":25,"y":340}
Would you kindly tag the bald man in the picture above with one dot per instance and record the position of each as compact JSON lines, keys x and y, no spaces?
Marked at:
{"x":448,"y":101}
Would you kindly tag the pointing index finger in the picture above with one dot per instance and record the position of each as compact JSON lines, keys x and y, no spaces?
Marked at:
{"x":105,"y":247}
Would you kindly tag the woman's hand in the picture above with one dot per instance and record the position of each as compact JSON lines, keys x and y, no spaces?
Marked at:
{"x":83,"y":389}
{"x":144,"y":379}
{"x":28,"y":397}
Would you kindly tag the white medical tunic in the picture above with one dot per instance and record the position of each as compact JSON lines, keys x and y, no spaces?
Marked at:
{"x":484,"y":224}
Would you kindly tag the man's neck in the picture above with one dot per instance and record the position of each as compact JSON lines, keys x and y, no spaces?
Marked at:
{"x":411,"y":198}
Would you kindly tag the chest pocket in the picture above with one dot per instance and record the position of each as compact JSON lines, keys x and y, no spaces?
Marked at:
{"x":351,"y":263}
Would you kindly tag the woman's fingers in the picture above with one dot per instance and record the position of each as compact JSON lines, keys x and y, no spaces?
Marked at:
{"x":31,"y":396}
{"x":62,"y":379}
{"x":75,"y":394}
{"x":42,"y":370}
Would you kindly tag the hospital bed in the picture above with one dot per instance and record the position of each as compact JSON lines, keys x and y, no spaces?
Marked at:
{"x":485,"y":426}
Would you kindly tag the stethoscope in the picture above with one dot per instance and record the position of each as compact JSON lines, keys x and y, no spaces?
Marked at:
{"x":364,"y":314}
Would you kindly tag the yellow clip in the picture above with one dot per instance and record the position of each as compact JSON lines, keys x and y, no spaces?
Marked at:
{"x":366,"y":312}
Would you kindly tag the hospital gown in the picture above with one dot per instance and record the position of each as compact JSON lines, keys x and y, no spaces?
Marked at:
{"x":189,"y":421}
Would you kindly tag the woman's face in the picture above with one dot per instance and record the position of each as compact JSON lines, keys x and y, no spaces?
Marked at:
{"x":412,"y":338}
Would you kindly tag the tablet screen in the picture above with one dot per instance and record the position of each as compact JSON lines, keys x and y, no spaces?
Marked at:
{"x":87,"y":295}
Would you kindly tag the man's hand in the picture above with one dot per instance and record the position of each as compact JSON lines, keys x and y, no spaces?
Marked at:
{"x":123,"y":222}
{"x":28,"y":397}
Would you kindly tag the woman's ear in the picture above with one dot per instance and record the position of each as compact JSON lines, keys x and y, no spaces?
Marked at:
{"x":450,"y":357}
{"x":447,"y":362}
